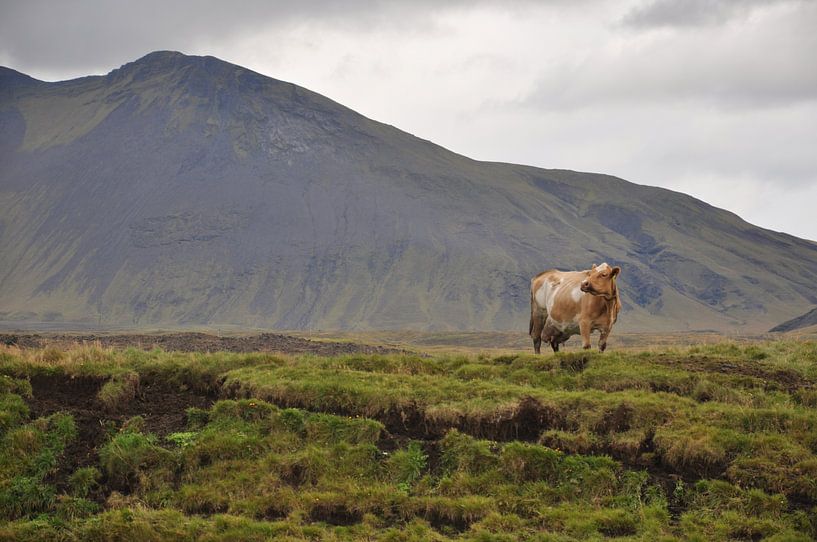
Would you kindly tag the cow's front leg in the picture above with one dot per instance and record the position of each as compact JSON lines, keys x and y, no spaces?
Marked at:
{"x":584,"y":329}
{"x":603,"y":339}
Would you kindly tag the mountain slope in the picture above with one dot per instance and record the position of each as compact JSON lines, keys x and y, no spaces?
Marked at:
{"x":800,"y":322}
{"x":182,"y":190}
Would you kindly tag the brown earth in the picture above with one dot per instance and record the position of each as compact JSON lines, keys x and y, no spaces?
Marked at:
{"x":786,"y":379}
{"x":197,"y":342}
{"x":162,"y":407}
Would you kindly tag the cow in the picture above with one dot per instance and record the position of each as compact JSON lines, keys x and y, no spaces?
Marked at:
{"x":563,"y":303}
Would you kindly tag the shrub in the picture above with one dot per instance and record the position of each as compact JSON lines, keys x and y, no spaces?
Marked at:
{"x":119,"y":390}
{"x":465,"y":453}
{"x":407,"y":466}
{"x":182,"y":440}
{"x":327,"y":429}
{"x":14,"y":386}
{"x":528,"y":462}
{"x":13,"y":411}
{"x":197,"y":418}
{"x":25,"y":496}
{"x":128,"y":454}
{"x":83,"y":481}
{"x":293,"y":420}
{"x":72,"y":508}
{"x":248,"y":410}
{"x":616,"y":522}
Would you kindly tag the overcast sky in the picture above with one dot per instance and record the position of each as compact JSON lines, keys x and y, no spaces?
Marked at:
{"x":714,"y":98}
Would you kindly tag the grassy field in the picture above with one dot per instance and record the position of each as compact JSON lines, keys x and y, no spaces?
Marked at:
{"x":712,"y":442}
{"x":507,"y":342}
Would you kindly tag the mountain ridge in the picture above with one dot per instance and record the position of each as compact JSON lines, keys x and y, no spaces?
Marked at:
{"x":180,"y":190}
{"x":803,"y":321}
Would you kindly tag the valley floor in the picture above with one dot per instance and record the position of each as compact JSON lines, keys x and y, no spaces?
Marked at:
{"x":698,"y":442}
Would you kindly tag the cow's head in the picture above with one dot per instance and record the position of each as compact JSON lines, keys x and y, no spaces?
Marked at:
{"x":601,"y":280}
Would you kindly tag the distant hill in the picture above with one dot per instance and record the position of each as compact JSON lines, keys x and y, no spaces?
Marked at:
{"x":181,"y":191}
{"x":802,"y":321}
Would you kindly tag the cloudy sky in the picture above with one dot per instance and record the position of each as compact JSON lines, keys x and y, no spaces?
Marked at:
{"x":715,"y":98}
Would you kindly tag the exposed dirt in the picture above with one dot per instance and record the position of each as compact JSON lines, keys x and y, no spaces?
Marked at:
{"x":76,"y":396}
{"x":786,"y":379}
{"x":335,"y":514}
{"x":162,"y":407}
{"x":617,"y":420}
{"x":198,"y":342}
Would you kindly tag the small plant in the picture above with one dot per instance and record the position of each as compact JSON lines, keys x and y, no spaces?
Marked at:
{"x":13,"y":385}
{"x":83,"y":481}
{"x":182,"y":440}
{"x":135,"y":424}
{"x":128,"y":454}
{"x":119,"y":390}
{"x":529,"y":462}
{"x":13,"y":410}
{"x":408,"y":465}
{"x":25,"y":496}
{"x":465,"y":453}
{"x":680,"y":493}
{"x":633,"y":485}
{"x":293,"y":420}
{"x":72,"y":508}
{"x":197,"y":418}
{"x":328,"y":429}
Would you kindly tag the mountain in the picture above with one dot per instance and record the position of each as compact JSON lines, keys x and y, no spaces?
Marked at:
{"x":800,"y":322}
{"x":180,"y":190}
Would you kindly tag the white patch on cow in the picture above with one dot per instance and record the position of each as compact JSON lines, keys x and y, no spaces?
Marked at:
{"x":542,"y":294}
{"x":546,"y":295}
{"x":556,"y":292}
{"x":577,"y":294}
{"x":603,"y":267}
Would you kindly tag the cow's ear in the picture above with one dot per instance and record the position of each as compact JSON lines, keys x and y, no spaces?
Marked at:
{"x":593,"y":268}
{"x":616,"y":270}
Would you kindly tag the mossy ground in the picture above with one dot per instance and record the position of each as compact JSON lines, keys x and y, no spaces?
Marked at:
{"x":700,"y":443}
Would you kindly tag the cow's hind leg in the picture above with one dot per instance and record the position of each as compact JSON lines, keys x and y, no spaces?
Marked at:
{"x":537,"y":324}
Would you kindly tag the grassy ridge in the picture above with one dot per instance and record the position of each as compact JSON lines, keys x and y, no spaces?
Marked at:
{"x":706,"y":443}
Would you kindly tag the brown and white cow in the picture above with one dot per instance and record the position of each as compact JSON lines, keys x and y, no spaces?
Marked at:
{"x":563,"y":303}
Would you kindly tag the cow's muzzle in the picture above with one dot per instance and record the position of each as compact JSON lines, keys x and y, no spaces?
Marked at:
{"x":585,"y":287}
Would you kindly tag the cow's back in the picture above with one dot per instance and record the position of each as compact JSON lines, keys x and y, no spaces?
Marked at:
{"x":558,"y":293}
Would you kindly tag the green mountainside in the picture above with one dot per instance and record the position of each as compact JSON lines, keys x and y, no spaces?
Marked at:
{"x":187,"y":191}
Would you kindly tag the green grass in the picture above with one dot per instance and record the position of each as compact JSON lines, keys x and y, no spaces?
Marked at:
{"x":703,"y":443}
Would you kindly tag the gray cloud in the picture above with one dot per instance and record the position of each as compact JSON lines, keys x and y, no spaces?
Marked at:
{"x":691,"y":13}
{"x":91,"y":36}
{"x":762,"y":63}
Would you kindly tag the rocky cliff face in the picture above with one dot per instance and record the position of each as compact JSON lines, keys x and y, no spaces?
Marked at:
{"x":182,"y":190}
